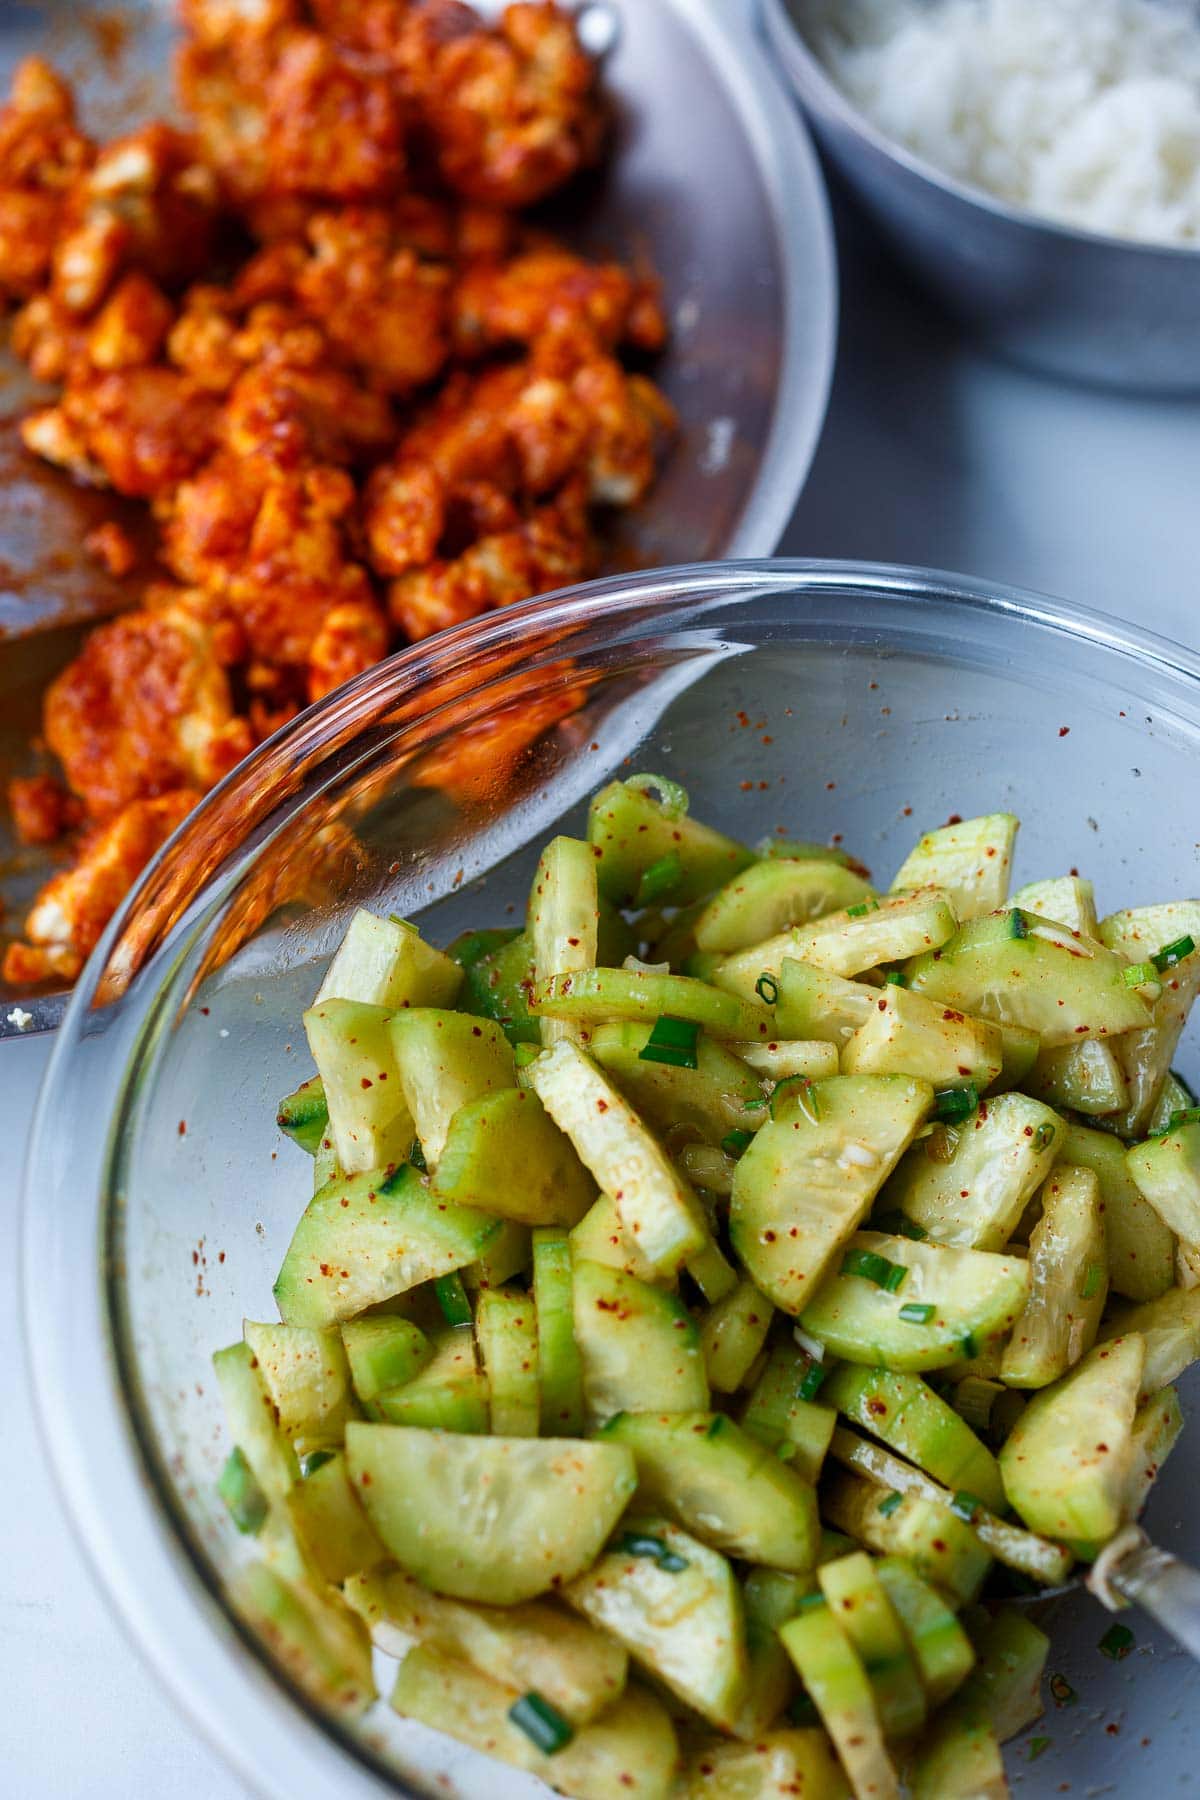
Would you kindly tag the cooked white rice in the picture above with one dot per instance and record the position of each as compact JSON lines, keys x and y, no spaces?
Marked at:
{"x":1086,"y":111}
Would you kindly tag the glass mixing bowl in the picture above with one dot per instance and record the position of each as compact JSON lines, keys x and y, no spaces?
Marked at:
{"x":826,"y":699}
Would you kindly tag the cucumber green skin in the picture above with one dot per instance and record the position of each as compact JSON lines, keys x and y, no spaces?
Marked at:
{"x":308,"y":1378}
{"x":1169,"y":1325}
{"x":832,"y":1673}
{"x":732,"y":1334}
{"x":862,"y":1608}
{"x":777,"y":1415}
{"x":497,"y":987}
{"x":238,"y":1487}
{"x":390,"y":1236}
{"x":1036,"y":980}
{"x":685,"y":1625}
{"x":561,"y":920}
{"x":507,"y":1254}
{"x":797,"y":1197}
{"x":629,"y":831}
{"x":630,"y":1750}
{"x":723,"y":1485}
{"x":718,"y":1096}
{"x":894,"y":928}
{"x":769,"y":1598}
{"x":775,"y":1765}
{"x":769,"y":896}
{"x":974,"y":1293}
{"x":506,"y":1331}
{"x":594,"y":996}
{"x":304,"y":1115}
{"x":445,"y":1060}
{"x":1141,"y":1249}
{"x":1066,"y":1461}
{"x":251,"y":1420}
{"x":974,"y":1201}
{"x":510,"y":1129}
{"x":560,"y":1369}
{"x":383,"y":1353}
{"x":940,"y":1546}
{"x":369,"y":1117}
{"x":969,"y":861}
{"x":449,"y":1394}
{"x":1006,"y":1680}
{"x":1166,"y":1171}
{"x":942,"y":1649}
{"x":908,"y":1416}
{"x":315,"y":1637}
{"x":551,"y":1505}
{"x":332,"y":1528}
{"x":470,"y":948}
{"x":639,"y":1348}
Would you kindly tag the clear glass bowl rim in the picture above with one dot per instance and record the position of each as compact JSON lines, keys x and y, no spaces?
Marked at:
{"x":139,"y":1559}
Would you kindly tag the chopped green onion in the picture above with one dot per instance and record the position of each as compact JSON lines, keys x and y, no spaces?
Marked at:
{"x":894,"y":978}
{"x":416,"y":1157}
{"x":239,"y":1489}
{"x":917,"y":1312}
{"x":736,"y":1143}
{"x":952,"y":1105}
{"x":639,"y":1544}
{"x":1187,"y":1115}
{"x":810,"y":1381}
{"x":896,"y":1277}
{"x":1091,"y":1282}
{"x":811,"y":1602}
{"x":1173,"y":953}
{"x":862,"y":909}
{"x":1118,"y":1640}
{"x":452,"y":1298}
{"x":672,"y":1041}
{"x":1139,"y":974}
{"x":659,"y":880}
{"x":1061,"y":1691}
{"x":1017,"y":928}
{"x":1036,"y":1747}
{"x":669,"y":795}
{"x":542,"y":1724}
{"x":873,"y":1267}
{"x":715,"y":1425}
{"x":1043,"y":1137}
{"x":890,"y":1502}
{"x":802,"y":1711}
{"x":767,"y":988}
{"x":968,"y":1346}
{"x":966,"y":1506}
{"x":671,"y":1563}
{"x":754,"y":1105}
{"x":800,"y":1089}
{"x":316,"y":1459}
{"x":524,"y":1054}
{"x":898,"y":1224}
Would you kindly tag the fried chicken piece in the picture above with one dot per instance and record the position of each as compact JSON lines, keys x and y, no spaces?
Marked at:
{"x":49,"y":338}
{"x":132,"y":325}
{"x":404,"y":514}
{"x":353,"y":637}
{"x":301,"y":415}
{"x":511,"y":113}
{"x":381,"y":304}
{"x":141,"y":431}
{"x":219,"y":22}
{"x":69,"y":915}
{"x":113,"y":548}
{"x":42,"y":155}
{"x":42,"y":809}
{"x":551,"y":289}
{"x":149,"y":203}
{"x":144,"y":708}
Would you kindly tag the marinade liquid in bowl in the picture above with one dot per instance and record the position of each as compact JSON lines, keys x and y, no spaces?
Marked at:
{"x":857,"y":705}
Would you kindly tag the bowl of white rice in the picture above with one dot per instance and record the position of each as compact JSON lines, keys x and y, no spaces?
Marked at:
{"x":1035,"y":162}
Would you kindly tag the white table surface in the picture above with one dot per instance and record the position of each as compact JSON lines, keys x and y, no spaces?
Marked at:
{"x":931,"y":455}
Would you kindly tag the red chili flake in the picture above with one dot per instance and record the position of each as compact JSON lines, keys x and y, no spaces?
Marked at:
{"x":602,"y":1106}
{"x":366,"y":1082}
{"x":1063,"y":730}
{"x":829,"y":786}
{"x":220,"y":1256}
{"x":954,"y":819}
{"x":204,"y":1010}
{"x":768,"y":739}
{"x":183,"y":1127}
{"x":746,"y":786}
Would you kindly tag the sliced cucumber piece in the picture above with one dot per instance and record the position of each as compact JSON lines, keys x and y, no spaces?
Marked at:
{"x":1086,"y":1077}
{"x":600,"y":1237}
{"x":906,"y":1034}
{"x":718,"y":1096}
{"x":316,"y":1638}
{"x":769,"y":1598}
{"x":780,"y":1416}
{"x":771,"y":895}
{"x":369,"y":1236}
{"x":510,"y":1127}
{"x":785,"y":1057}
{"x":1138,"y":935}
{"x":1067,"y":1460}
{"x":251,"y":1419}
{"x":599,"y":995}
{"x":562,"y":921}
{"x":813,"y":1003}
{"x":1066,"y":899}
{"x":941,"y":1548}
{"x":506,"y":1331}
{"x":968,"y":1187}
{"x":1141,"y":1249}
{"x":1068,"y":1282}
{"x":383,"y":1353}
{"x":1156,"y":1427}
{"x":489,"y":1519}
{"x":941,"y":1647}
{"x":834,"y":1677}
{"x":304,"y":1115}
{"x":630,"y":1750}
{"x":1174,"y":1096}
{"x":386,"y":962}
{"x":722,"y":1484}
{"x":972,"y":1293}
{"x":449,"y":1394}
{"x":677,"y":1611}
{"x":506,"y":1254}
{"x":1166,"y":1171}
{"x":860,"y":1604}
{"x":969,"y":860}
{"x":887,"y":930}
{"x":497,"y":986}
{"x":639,"y":1347}
{"x":238,"y":1487}
{"x":308,"y":1378}
{"x":1169,"y":1326}
{"x":578,"y":1670}
{"x":905,"y":1412}
{"x":777,"y":1766}
{"x":332,"y":1529}
{"x":1020,"y":1048}
{"x":369,"y":1117}
{"x":655,"y":1208}
{"x":1017,"y":969}
{"x":635,"y":824}
{"x":445,"y":1060}
{"x":732,"y":1334}
{"x":808,"y":1179}
{"x":959,"y":1758}
{"x":560,"y":1369}
{"x":1006,"y":1681}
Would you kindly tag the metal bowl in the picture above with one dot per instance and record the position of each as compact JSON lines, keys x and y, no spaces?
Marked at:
{"x":1073,"y":303}
{"x":159,"y":1197}
{"x":713,"y":180}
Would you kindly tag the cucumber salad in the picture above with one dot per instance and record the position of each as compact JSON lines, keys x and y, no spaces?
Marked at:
{"x":717,"y":1301}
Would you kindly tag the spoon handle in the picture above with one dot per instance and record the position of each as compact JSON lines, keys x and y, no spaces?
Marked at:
{"x":1134,"y":1569}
